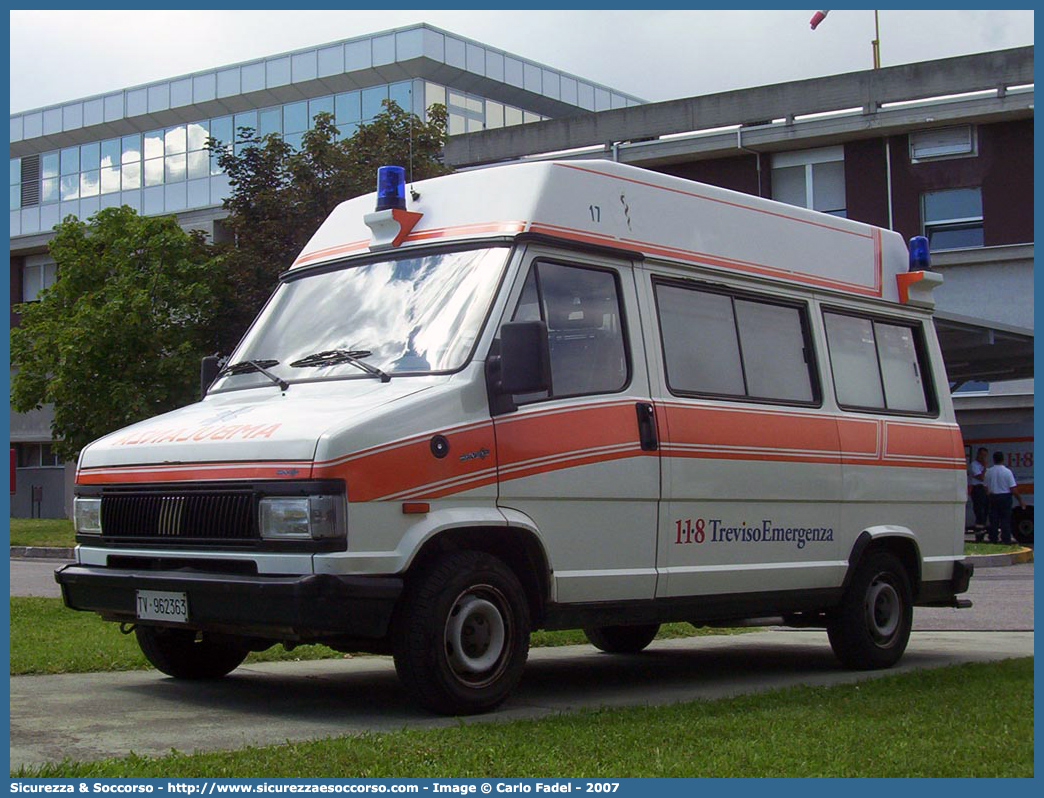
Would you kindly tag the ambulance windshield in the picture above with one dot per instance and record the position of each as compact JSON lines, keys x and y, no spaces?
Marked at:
{"x":405,"y":315}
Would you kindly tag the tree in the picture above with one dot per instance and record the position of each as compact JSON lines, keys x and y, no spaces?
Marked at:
{"x":280,"y":196}
{"x":119,"y":336}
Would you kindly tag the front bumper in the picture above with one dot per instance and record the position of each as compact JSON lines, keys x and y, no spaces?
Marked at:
{"x":308,"y":607}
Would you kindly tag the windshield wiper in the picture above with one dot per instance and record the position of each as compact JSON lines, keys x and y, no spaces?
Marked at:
{"x":260,"y":366}
{"x":332,"y":357}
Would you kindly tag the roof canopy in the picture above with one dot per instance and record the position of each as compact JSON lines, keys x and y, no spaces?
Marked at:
{"x":974,"y":349}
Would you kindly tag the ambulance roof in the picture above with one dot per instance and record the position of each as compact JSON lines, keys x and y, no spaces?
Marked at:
{"x":619,"y":206}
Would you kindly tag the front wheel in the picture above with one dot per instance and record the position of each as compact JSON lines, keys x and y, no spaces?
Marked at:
{"x":187,"y":654}
{"x":461,"y":634}
{"x":871,"y":628}
{"x":622,"y":639}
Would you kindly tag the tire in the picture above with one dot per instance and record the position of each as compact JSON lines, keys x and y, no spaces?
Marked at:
{"x":622,"y":639}
{"x":1022,"y":525}
{"x":871,"y":628}
{"x":187,"y":654}
{"x":461,"y":634}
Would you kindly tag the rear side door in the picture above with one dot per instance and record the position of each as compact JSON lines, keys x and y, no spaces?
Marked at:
{"x":752,"y":478}
{"x":580,"y":460}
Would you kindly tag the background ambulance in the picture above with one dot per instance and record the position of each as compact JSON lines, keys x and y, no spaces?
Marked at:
{"x":1015,"y":442}
{"x":547,"y":395}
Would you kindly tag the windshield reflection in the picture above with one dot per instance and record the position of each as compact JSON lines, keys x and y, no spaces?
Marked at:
{"x":412,"y":315}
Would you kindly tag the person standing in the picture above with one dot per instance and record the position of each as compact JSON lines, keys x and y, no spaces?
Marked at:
{"x":1001,"y":486}
{"x":979,"y":497}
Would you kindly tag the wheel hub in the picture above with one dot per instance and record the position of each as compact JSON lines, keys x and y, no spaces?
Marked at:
{"x":883,"y":611}
{"x":475,"y":635}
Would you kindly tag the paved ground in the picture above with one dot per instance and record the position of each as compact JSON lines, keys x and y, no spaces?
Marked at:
{"x":91,"y":716}
{"x":35,"y":577}
{"x":1002,"y":599}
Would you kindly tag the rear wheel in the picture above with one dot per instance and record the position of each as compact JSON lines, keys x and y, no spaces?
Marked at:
{"x":187,"y":654}
{"x":1022,"y":525}
{"x":871,"y":628}
{"x":622,"y":639}
{"x":461,"y":634}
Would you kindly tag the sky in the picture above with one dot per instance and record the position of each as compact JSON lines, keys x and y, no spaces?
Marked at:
{"x":655,"y":55}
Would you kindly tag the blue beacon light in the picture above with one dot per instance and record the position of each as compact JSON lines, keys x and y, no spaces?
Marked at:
{"x":920,"y":256}
{"x":391,"y":188}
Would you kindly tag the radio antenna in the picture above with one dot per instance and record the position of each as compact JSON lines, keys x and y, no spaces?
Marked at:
{"x":411,"y":151}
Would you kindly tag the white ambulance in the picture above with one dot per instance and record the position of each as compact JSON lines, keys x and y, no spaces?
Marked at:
{"x":544,"y":396}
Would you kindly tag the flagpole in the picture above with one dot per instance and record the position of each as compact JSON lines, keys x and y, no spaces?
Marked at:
{"x":876,"y":43}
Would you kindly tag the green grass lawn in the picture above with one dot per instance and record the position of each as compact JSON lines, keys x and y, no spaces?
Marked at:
{"x":966,"y":720}
{"x":42,"y":532}
{"x":48,"y":638}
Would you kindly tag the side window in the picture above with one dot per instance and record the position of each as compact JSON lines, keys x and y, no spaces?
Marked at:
{"x":853,"y":357}
{"x":529,"y":303}
{"x":718,"y":344}
{"x":877,"y":365}
{"x":775,"y":353}
{"x":699,"y":341}
{"x":900,"y":371}
{"x":581,"y":307}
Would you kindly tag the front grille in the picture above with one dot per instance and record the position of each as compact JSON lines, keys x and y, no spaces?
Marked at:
{"x":176,"y":517}
{"x":208,"y":565}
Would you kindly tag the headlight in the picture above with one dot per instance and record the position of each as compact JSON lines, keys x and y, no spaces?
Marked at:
{"x":87,"y":516}
{"x":304,"y":518}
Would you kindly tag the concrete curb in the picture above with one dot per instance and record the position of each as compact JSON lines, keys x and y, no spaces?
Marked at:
{"x":43,"y":552}
{"x":999,"y":560}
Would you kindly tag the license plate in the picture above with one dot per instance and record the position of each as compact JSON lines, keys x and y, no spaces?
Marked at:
{"x":156,"y":605}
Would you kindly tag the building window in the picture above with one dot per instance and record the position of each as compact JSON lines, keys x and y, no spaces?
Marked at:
{"x":49,"y":178}
{"x":943,"y":142}
{"x":320,"y":105}
{"x":110,"y":166}
{"x":811,"y":179}
{"x":402,"y":95}
{"x":16,"y":183}
{"x":953,"y":218}
{"x":372,"y":101}
{"x":469,"y":113}
{"x":37,"y":274}
{"x":36,"y":455}
{"x":270,"y":121}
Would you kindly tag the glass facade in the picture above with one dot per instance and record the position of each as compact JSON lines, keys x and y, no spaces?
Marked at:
{"x":168,"y":170}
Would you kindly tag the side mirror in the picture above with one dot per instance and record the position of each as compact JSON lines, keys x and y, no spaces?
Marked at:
{"x":525,"y":362}
{"x":209,"y":367}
